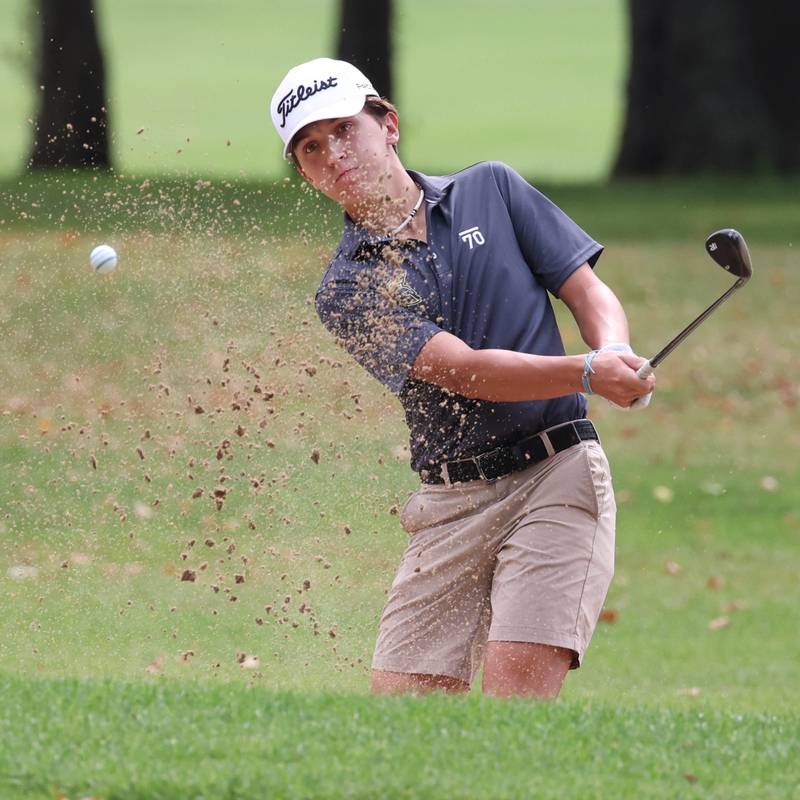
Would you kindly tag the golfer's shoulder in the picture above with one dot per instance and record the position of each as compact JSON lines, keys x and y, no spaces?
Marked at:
{"x":489,"y":180}
{"x":482,"y":171}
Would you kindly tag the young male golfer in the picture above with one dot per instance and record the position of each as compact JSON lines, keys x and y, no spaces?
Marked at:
{"x":439,"y":288}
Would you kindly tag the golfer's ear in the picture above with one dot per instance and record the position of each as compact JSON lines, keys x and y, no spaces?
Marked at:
{"x":392,"y":128}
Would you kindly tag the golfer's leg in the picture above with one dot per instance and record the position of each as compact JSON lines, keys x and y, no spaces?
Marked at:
{"x":384,"y":682}
{"x":434,"y":626}
{"x":525,"y":669}
{"x":551,"y":577}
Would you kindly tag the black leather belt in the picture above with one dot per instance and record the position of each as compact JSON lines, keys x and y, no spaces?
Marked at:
{"x":510,"y":458}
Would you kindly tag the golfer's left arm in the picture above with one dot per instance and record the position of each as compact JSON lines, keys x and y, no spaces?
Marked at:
{"x":599,"y":314}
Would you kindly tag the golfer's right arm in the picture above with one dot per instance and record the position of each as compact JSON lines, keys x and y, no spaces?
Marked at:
{"x":505,"y":376}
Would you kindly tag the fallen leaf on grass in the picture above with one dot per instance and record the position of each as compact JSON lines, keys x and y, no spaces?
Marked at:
{"x":609,"y":615}
{"x":623,"y":496}
{"x":691,"y":778}
{"x":768,"y":483}
{"x":714,"y":582}
{"x":155,"y":666}
{"x":691,"y":691}
{"x":672,"y":567}
{"x":733,"y":605}
{"x":718,"y":623}
{"x":663,"y":494}
{"x":21,"y":572}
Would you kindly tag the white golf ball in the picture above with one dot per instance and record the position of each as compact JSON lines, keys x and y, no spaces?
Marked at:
{"x":103,"y":258}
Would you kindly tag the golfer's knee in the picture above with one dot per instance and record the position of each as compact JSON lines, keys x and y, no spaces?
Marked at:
{"x":385,"y":682}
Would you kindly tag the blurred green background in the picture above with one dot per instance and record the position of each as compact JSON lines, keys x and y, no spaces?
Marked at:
{"x":536,"y":84}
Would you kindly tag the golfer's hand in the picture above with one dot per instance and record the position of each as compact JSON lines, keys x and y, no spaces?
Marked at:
{"x":615,"y":378}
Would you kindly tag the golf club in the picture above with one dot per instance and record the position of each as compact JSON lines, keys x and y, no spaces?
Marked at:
{"x":728,"y":248}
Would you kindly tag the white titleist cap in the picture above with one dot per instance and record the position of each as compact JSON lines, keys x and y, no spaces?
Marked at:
{"x":319,"y":89}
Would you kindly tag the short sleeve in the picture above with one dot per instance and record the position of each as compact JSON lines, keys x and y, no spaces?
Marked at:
{"x":381,"y":335}
{"x":553,"y":245}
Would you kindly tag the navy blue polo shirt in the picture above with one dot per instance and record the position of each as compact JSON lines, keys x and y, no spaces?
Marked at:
{"x":496,"y":247}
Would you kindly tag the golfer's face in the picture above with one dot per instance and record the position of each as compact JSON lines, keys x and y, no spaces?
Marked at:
{"x":346,"y":158}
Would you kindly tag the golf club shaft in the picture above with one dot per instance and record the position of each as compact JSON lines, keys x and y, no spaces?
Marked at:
{"x":649,"y":366}
{"x":664,"y":352}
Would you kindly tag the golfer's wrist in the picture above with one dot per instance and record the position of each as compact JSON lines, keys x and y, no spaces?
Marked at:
{"x":574,"y":372}
{"x":568,"y":373}
{"x":587,"y":371}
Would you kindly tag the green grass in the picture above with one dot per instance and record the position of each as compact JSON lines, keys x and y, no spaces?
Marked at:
{"x":106,"y":652}
{"x":536,"y":84}
{"x":138,"y":742}
{"x":265,"y":214}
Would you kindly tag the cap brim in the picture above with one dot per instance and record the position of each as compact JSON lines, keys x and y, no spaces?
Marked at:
{"x":343,"y":108}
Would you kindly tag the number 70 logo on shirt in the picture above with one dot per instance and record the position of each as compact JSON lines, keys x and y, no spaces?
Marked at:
{"x":472,"y":236}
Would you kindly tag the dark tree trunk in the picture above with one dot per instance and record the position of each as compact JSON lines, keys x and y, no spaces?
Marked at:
{"x":774,"y":26}
{"x":365,"y":40}
{"x":71,"y":127}
{"x":710,"y":88}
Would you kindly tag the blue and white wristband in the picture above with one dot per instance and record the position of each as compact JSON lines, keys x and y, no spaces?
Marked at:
{"x":587,"y":370}
{"x":587,"y":364}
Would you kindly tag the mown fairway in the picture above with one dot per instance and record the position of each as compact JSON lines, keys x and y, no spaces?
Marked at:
{"x":199,"y":368}
{"x":137,"y":742}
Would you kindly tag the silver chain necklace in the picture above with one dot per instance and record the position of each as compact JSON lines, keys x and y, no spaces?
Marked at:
{"x":411,"y":215}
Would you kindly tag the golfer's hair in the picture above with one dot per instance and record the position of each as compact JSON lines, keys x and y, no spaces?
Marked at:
{"x":375,"y":106}
{"x":378,"y":106}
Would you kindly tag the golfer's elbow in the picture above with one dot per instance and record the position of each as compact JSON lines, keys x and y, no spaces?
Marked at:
{"x":451,"y":363}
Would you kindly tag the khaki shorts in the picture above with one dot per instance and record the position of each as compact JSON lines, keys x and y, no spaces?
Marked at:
{"x":526,"y":558}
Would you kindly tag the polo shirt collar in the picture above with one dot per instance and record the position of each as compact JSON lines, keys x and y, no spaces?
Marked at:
{"x":434,"y":187}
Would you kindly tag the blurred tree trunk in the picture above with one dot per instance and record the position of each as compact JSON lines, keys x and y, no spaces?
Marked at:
{"x":712,"y":88}
{"x":71,"y":126}
{"x":365,"y":40}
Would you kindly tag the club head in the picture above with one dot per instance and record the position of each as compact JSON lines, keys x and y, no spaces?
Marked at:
{"x":728,"y":248}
